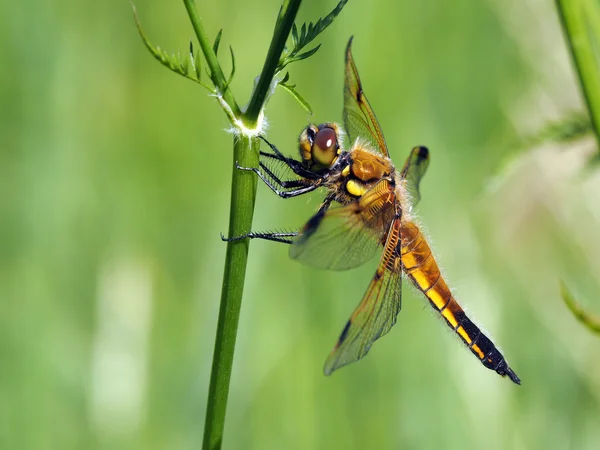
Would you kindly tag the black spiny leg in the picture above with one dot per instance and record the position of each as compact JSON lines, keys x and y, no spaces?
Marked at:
{"x":283,"y":237}
{"x":284,"y":184}
{"x":296,"y":166}
{"x":298,"y":186}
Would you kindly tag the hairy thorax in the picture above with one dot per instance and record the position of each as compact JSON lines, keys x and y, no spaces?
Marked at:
{"x":360,"y":171}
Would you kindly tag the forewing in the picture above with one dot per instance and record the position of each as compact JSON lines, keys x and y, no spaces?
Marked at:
{"x":414,"y":169}
{"x":377,"y":311}
{"x":348,"y":236}
{"x":359,"y":118}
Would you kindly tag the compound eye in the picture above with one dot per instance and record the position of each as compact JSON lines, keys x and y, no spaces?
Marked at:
{"x":325,"y":147}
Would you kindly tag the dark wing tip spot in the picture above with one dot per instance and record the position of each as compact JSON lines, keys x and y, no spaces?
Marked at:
{"x":423,"y":152}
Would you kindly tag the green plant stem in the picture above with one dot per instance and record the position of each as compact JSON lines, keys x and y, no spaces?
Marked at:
{"x":243,"y":194}
{"x":573,"y":19}
{"x":211,"y":58}
{"x":285,"y":20}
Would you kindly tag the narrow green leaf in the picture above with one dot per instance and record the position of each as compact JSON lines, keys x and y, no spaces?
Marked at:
{"x":308,"y":32}
{"x":217,"y":42}
{"x":195,"y":61}
{"x":155,"y":51}
{"x":306,"y":54}
{"x":294,"y":35}
{"x":183,"y":64}
{"x":303,"y":103}
{"x":172,"y":62}
{"x":317,"y":28}
{"x":232,"y":67}
{"x":198,"y":65}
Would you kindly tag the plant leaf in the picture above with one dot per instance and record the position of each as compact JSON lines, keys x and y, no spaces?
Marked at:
{"x":196,"y":61}
{"x":232,"y":68}
{"x":217,"y":41}
{"x":574,"y":126}
{"x":294,"y":35}
{"x":172,"y":62}
{"x":306,"y":54}
{"x":313,"y":30}
{"x":307,"y":34}
{"x":303,"y":103}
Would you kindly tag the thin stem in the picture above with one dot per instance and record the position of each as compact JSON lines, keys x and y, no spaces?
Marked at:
{"x":285,"y":20}
{"x":211,"y":58}
{"x":243,"y":194}
{"x":573,"y":20}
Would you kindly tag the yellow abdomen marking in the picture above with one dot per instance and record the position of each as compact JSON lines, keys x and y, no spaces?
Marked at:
{"x":420,"y":266}
{"x":477,"y":350}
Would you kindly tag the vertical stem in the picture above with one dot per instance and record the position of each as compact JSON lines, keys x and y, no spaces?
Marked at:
{"x":283,"y":27}
{"x":573,"y":16}
{"x":243,"y":193}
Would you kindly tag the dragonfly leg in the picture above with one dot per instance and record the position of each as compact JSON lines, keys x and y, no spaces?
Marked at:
{"x":283,"y":237}
{"x":298,"y":186}
{"x":284,"y":184}
{"x":295,"y":166}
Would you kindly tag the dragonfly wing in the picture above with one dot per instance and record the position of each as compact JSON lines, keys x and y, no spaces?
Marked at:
{"x":413,"y":171}
{"x":359,"y":118}
{"x":377,"y":311}
{"x":347,"y":236}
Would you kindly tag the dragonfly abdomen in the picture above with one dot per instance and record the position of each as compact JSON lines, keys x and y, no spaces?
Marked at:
{"x":420,"y":266}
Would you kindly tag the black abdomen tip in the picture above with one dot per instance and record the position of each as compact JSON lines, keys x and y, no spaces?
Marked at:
{"x":504,"y":370}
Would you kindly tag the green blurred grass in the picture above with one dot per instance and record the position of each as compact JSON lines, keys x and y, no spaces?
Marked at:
{"x":115,"y":182}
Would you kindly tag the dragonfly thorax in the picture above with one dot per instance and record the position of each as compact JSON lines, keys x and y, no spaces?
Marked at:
{"x":368,"y":166}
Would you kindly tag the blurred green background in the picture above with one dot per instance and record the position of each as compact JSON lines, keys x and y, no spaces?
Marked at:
{"x":115,"y":181}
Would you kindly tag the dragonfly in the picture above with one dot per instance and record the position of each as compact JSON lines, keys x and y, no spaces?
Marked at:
{"x":368,"y":208}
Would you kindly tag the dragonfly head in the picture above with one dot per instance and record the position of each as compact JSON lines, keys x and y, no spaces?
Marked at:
{"x":319,"y":146}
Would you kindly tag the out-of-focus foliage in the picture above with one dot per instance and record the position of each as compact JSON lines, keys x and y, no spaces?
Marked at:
{"x":589,"y":321}
{"x":115,"y":185}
